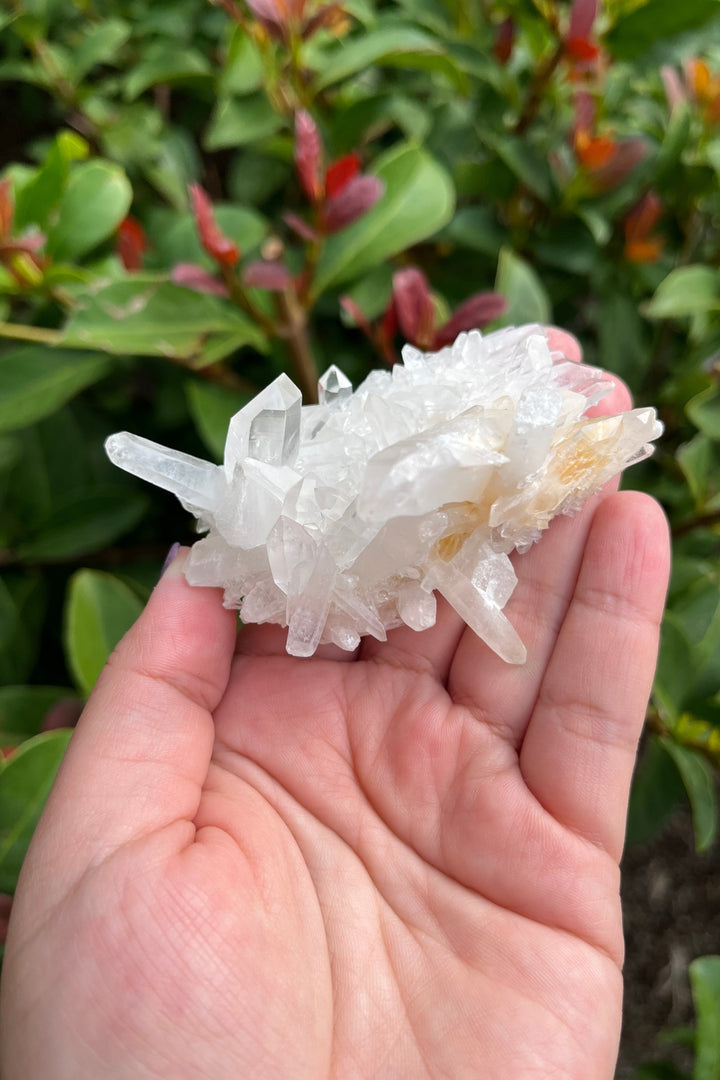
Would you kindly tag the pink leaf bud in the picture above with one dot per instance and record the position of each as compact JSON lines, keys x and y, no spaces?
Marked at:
{"x":197,"y":278}
{"x":473,"y":314}
{"x":308,"y":155}
{"x":215,"y":242}
{"x":355,"y":199}
{"x":272,"y":276}
{"x":414,"y":306}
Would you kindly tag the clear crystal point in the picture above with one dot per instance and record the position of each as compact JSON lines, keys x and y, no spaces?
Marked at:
{"x":267,"y":428}
{"x":334,"y":387}
{"x":197,"y":483}
{"x":338,"y":520}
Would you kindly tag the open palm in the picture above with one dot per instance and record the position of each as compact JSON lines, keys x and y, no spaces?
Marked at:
{"x":401,"y":864}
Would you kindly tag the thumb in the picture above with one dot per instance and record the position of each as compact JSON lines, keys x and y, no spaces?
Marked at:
{"x":139,"y":756}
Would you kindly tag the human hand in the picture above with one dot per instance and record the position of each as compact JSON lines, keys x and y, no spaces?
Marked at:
{"x":401,"y":864}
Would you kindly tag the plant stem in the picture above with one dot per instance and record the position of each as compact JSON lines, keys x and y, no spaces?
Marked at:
{"x":703,"y":521}
{"x":40,"y":334}
{"x":238,"y":296}
{"x":539,"y":85}
{"x":294,"y":333}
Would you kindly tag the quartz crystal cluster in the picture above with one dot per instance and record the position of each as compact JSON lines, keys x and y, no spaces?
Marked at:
{"x":345,"y":518}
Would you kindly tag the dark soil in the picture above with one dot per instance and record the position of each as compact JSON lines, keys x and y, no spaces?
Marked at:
{"x":671,"y":907}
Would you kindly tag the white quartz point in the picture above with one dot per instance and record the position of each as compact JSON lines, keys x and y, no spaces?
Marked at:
{"x":197,"y":484}
{"x":267,"y":428}
{"x":334,"y":387}
{"x":451,"y":462}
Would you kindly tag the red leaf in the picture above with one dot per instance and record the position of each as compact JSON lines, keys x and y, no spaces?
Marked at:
{"x":357,"y":314}
{"x":581,"y":49}
{"x":197,"y":278}
{"x":504,"y":40}
{"x":331,"y":17}
{"x":308,"y":155}
{"x":340,"y":173}
{"x":644,"y":216}
{"x":215,"y":242}
{"x":414,"y":306}
{"x":355,"y":199}
{"x":267,"y":275}
{"x":582,"y":18}
{"x":7,"y":208}
{"x":584,"y":107}
{"x":270,"y":15}
{"x":473,"y":314}
{"x":300,"y":227}
{"x":640,"y":246}
{"x":131,"y":243}
{"x":628,"y":155}
{"x":595,"y":152}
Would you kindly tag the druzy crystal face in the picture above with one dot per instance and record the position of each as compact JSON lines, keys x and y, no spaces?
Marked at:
{"x":345,"y":518}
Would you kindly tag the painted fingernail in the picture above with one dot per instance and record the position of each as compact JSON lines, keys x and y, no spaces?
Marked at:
{"x":169,"y":558}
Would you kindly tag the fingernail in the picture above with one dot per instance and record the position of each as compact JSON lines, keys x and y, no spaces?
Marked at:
{"x":169,"y":558}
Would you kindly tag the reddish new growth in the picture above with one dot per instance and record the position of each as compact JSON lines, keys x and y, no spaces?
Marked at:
{"x":413,"y":312}
{"x":284,"y":20}
{"x":340,"y":193}
{"x":131,"y":243}
{"x":698,"y":85}
{"x":641,"y":246}
{"x":219,"y":246}
{"x":579,"y":45}
{"x":606,"y":161}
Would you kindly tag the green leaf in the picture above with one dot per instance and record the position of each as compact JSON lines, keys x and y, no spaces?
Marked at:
{"x":176,"y":165}
{"x":100,"y":45}
{"x":704,"y":411}
{"x":254,"y":177}
{"x":239,"y":121}
{"x":624,"y":349}
{"x":23,"y":708}
{"x":371,"y":293}
{"x":688,"y":290}
{"x":37,"y":199}
{"x":243,"y":71}
{"x":654,"y":21}
{"x":698,"y":778}
{"x":36,"y":380}
{"x":143,"y":316}
{"x":99,"y":609}
{"x":527,"y":299}
{"x":162,"y":65}
{"x":418,"y":200}
{"x":96,"y":199}
{"x":705,"y":982}
{"x":212,"y":407}
{"x":523,"y":161}
{"x":476,"y":228}
{"x":83,"y":523}
{"x":22,"y":610}
{"x":392,"y":46}
{"x":25,"y":784}
{"x":656,"y":791}
{"x":660,"y":1070}
{"x":699,"y":460}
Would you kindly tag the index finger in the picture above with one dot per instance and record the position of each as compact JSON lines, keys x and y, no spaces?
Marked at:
{"x":140,"y":753}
